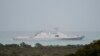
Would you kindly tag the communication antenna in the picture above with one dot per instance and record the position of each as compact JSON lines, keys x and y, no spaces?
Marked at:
{"x":56,"y":29}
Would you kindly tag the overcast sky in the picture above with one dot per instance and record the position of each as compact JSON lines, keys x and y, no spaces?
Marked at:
{"x":67,"y":15}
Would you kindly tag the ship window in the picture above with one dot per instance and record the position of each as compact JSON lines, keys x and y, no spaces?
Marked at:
{"x":56,"y":35}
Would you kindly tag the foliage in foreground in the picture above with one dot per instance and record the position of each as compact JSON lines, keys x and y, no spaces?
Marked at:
{"x":92,"y":49}
{"x":38,"y":50}
{"x":23,"y":49}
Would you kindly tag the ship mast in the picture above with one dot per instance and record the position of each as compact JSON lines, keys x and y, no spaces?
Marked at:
{"x":56,"y":29}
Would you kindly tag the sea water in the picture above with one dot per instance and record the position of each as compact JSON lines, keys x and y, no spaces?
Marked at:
{"x":7,"y":38}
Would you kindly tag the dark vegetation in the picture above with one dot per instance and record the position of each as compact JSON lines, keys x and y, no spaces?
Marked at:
{"x":92,"y":49}
{"x":38,"y":50}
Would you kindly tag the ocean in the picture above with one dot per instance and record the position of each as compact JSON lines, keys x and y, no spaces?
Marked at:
{"x":7,"y":38}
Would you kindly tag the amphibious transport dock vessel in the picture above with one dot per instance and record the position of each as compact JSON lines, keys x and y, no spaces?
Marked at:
{"x":49,"y":36}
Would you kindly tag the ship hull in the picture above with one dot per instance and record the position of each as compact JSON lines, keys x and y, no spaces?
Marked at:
{"x":77,"y":38}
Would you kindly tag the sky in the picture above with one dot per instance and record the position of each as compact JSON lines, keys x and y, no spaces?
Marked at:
{"x":32,"y":15}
